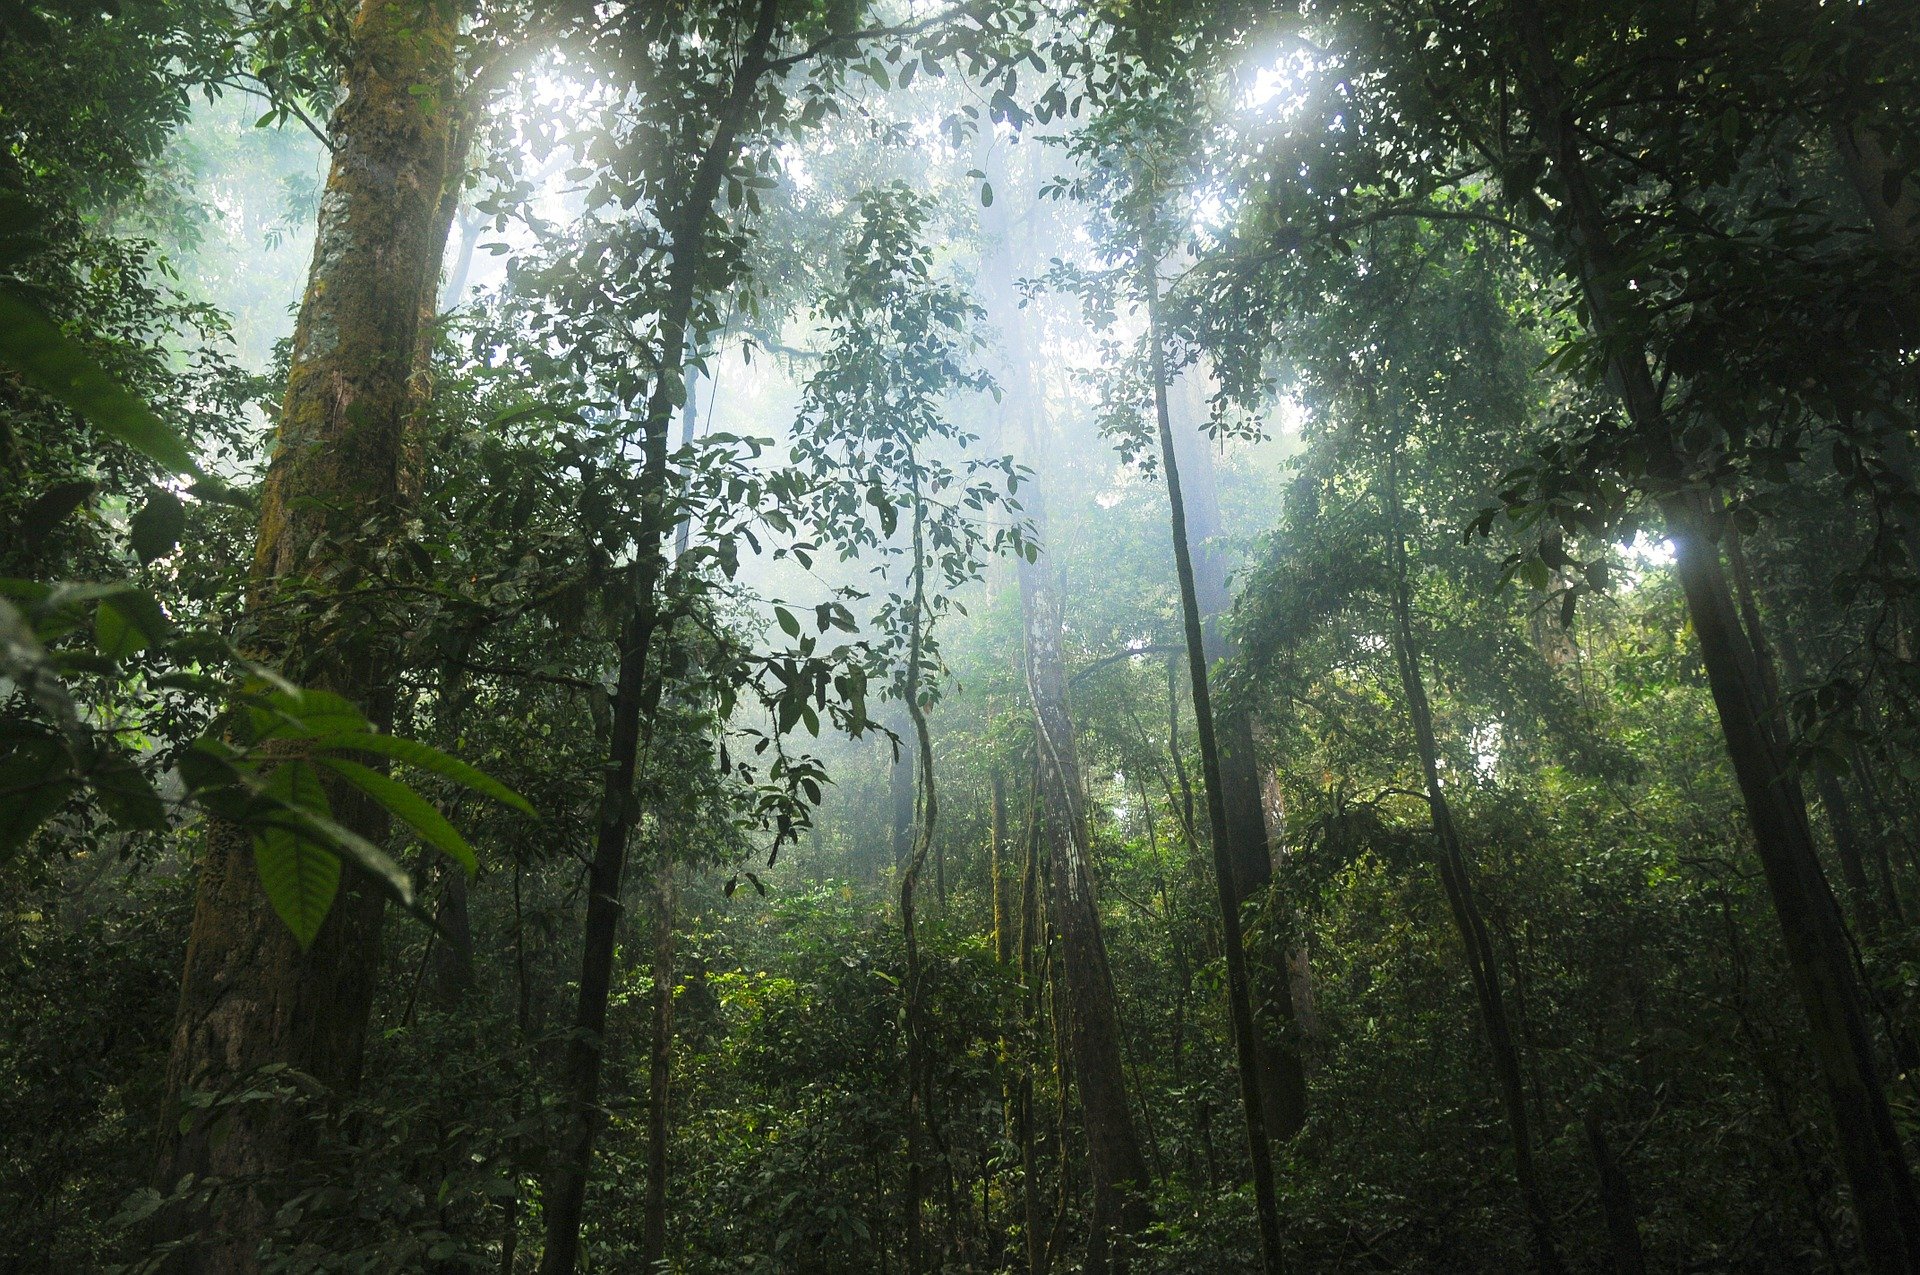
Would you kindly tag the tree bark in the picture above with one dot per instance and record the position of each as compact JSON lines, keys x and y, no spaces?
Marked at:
{"x":249,"y":996}
{"x":1114,"y":1160}
{"x":1239,"y":995}
{"x":926,"y":811}
{"x":1812,"y":933}
{"x":1087,"y":1016}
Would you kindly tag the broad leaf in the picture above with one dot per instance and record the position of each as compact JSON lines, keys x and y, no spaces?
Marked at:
{"x":156,"y":529}
{"x":408,"y":806}
{"x":300,"y":876}
{"x":425,"y":757}
{"x":48,"y":359}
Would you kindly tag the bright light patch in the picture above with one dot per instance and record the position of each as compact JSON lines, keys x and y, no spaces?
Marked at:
{"x":1280,"y":87}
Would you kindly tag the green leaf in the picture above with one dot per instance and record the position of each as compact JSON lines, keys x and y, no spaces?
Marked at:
{"x":156,"y":528}
{"x":425,"y":757}
{"x":788,"y":623}
{"x":48,"y":359}
{"x":114,"y":635}
{"x":297,"y":713}
{"x":36,"y":778}
{"x":52,"y":506}
{"x":299,"y":875}
{"x":408,"y":806}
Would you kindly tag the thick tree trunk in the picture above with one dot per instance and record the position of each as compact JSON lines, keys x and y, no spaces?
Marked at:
{"x":1457,"y":881}
{"x":1812,"y":933}
{"x":249,"y":996}
{"x":1239,"y":995}
{"x":1283,"y":1083}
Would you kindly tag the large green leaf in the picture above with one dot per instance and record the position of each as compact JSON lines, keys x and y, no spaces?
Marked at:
{"x":425,"y":757}
{"x":156,"y":529}
{"x":36,"y":778}
{"x":409,"y":807}
{"x":300,"y":876}
{"x":294,"y":713}
{"x":50,"y":360}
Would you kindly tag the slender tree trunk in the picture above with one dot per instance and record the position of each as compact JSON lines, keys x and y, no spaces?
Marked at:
{"x":249,"y":996}
{"x":926,"y":810}
{"x":1030,"y":1213}
{"x":1812,"y":933}
{"x":996,"y":855}
{"x":1624,"y":1252}
{"x":1457,"y":881}
{"x":1092,"y":1028}
{"x":635,"y":691}
{"x":450,"y":972}
{"x":1826,"y":786}
{"x":653,"y":1231}
{"x":1239,"y":995}
{"x":1283,"y":1082}
{"x":900,"y":799}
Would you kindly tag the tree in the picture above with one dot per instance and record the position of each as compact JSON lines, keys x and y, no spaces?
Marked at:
{"x":253,"y":994}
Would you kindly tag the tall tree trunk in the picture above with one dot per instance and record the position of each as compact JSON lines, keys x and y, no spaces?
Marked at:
{"x":1114,"y":1162}
{"x":653,"y":1230}
{"x":636,"y":692}
{"x":1624,"y":1252}
{"x":1826,"y":785}
{"x":1306,"y":1021}
{"x":1283,"y":1082}
{"x":1030,"y":1212}
{"x":1087,"y":1016}
{"x":249,"y":996}
{"x":926,"y":810}
{"x":1457,"y":881}
{"x":1812,"y":933}
{"x":900,"y":801}
{"x":1092,"y":1028}
{"x":1239,"y":995}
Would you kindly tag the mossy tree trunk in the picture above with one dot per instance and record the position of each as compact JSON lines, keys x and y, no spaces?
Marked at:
{"x":343,"y":466}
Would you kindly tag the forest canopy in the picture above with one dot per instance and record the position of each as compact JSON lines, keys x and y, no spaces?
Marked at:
{"x":881,"y":635}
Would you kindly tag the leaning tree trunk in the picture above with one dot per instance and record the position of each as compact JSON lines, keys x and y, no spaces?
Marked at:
{"x":1457,"y":881}
{"x":1283,"y":1081}
{"x":1812,"y":933}
{"x":249,"y":996}
{"x":636,"y":690}
{"x":1239,"y":996}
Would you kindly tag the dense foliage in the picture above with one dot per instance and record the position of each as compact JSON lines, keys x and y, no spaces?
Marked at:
{"x":1136,"y":637}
